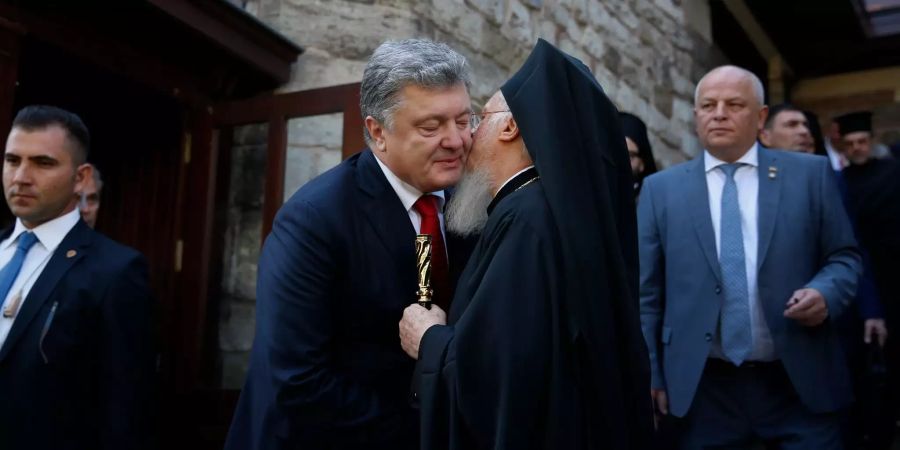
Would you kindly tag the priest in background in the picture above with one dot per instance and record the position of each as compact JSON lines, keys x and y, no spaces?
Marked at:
{"x":542,"y":348}
{"x":873,"y":192}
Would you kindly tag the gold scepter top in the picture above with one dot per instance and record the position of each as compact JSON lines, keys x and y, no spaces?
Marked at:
{"x":423,"y":268}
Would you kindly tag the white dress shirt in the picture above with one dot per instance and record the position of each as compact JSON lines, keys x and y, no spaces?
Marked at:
{"x":408,"y":196}
{"x":50,"y":234}
{"x":837,"y":160}
{"x":747,"y":180}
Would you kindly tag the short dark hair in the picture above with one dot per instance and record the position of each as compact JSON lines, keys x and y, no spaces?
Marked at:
{"x":778,"y":109}
{"x":39,"y":117}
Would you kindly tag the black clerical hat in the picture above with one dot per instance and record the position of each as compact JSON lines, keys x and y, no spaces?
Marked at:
{"x":636,"y":129}
{"x":855,"y":121}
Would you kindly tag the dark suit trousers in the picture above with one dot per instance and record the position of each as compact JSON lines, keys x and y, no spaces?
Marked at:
{"x":739,"y":407}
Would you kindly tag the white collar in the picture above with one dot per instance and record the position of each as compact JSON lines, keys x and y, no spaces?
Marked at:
{"x":407,"y":193}
{"x":51,"y":233}
{"x":750,"y":158}
{"x":517,"y":174}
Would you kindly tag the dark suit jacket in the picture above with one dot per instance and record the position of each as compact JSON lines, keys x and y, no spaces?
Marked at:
{"x":76,"y":368}
{"x":805,"y":240}
{"x":327,"y":369}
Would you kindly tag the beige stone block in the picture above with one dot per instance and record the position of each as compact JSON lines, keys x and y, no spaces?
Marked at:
{"x":493,"y":10}
{"x":520,"y":25}
{"x":314,"y":146}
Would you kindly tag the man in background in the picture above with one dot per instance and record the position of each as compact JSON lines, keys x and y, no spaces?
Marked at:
{"x":787,"y":128}
{"x":89,"y":197}
{"x":873,"y":187}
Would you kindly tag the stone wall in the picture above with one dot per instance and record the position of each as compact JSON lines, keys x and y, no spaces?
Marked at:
{"x":242,"y":243}
{"x":646,"y":54}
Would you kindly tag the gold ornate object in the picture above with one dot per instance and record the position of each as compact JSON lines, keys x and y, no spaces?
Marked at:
{"x":423,"y":268}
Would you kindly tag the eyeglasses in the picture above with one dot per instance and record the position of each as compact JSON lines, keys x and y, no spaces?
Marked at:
{"x":476,"y":119}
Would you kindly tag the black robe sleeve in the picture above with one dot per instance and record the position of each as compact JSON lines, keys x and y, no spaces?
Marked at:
{"x":484,"y":379}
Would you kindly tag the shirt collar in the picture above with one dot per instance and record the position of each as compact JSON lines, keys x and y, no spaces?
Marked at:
{"x":750,"y":158}
{"x":51,"y":233}
{"x":407,"y":193}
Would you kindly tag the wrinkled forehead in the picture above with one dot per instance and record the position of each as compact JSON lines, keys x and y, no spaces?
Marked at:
{"x":726,"y":83}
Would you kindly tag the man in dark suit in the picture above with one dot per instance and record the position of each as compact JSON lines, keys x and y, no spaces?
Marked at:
{"x":76,"y":360}
{"x":747,"y":263}
{"x":327,"y":369}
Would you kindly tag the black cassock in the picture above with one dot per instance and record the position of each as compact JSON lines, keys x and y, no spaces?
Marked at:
{"x":874,"y":203}
{"x":487,"y":379}
{"x":543,"y":348}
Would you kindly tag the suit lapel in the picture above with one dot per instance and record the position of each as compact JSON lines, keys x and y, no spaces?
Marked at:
{"x":698,"y":198}
{"x":385,"y":212}
{"x":62,"y":260}
{"x":769,"y":200}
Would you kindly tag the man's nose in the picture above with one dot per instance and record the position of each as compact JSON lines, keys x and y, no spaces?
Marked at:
{"x":454,"y":138}
{"x":22,"y":175}
{"x":719,"y":112}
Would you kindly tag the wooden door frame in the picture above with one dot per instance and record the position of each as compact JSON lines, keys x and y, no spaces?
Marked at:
{"x":276,"y":110}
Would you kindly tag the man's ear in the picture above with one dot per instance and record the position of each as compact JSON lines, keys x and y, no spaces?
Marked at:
{"x":509,"y":131}
{"x":83,"y":173}
{"x":763,"y":114}
{"x":765,"y":137}
{"x":376,"y":132}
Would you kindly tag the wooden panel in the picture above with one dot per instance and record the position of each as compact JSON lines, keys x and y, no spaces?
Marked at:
{"x":219,"y":22}
{"x":353,"y":125}
{"x":277,"y":110}
{"x":275,"y":162}
{"x":295,"y":104}
{"x":196,"y":233}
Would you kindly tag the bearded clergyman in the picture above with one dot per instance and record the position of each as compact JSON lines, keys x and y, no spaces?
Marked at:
{"x":542,"y":347}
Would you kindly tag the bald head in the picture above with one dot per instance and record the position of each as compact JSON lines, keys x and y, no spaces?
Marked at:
{"x":737,"y":73}
{"x":729,"y":111}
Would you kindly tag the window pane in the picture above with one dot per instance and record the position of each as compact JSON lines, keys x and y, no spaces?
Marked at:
{"x":314,"y":146}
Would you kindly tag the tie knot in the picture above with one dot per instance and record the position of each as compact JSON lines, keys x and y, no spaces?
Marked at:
{"x":730,"y":169}
{"x":426,"y":205}
{"x":26,"y":241}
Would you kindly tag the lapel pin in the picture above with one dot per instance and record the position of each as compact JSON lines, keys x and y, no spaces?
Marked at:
{"x":773,"y":172}
{"x":71,"y":254}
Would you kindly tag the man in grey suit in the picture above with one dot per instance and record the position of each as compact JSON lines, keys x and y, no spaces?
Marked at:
{"x":745,"y":266}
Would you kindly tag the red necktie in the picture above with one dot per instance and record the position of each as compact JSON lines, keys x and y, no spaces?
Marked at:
{"x":427,"y":207}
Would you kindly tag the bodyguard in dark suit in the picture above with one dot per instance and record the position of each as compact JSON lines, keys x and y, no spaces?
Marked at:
{"x":747,"y":262}
{"x":327,"y":370}
{"x":76,"y":359}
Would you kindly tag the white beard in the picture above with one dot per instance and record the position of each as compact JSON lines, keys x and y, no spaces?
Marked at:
{"x":467,"y":210}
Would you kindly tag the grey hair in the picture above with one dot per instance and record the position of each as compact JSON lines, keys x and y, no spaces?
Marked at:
{"x":755,"y":82}
{"x":397,"y":64}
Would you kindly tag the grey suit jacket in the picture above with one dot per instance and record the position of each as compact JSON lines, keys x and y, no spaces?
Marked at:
{"x":805,"y":240}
